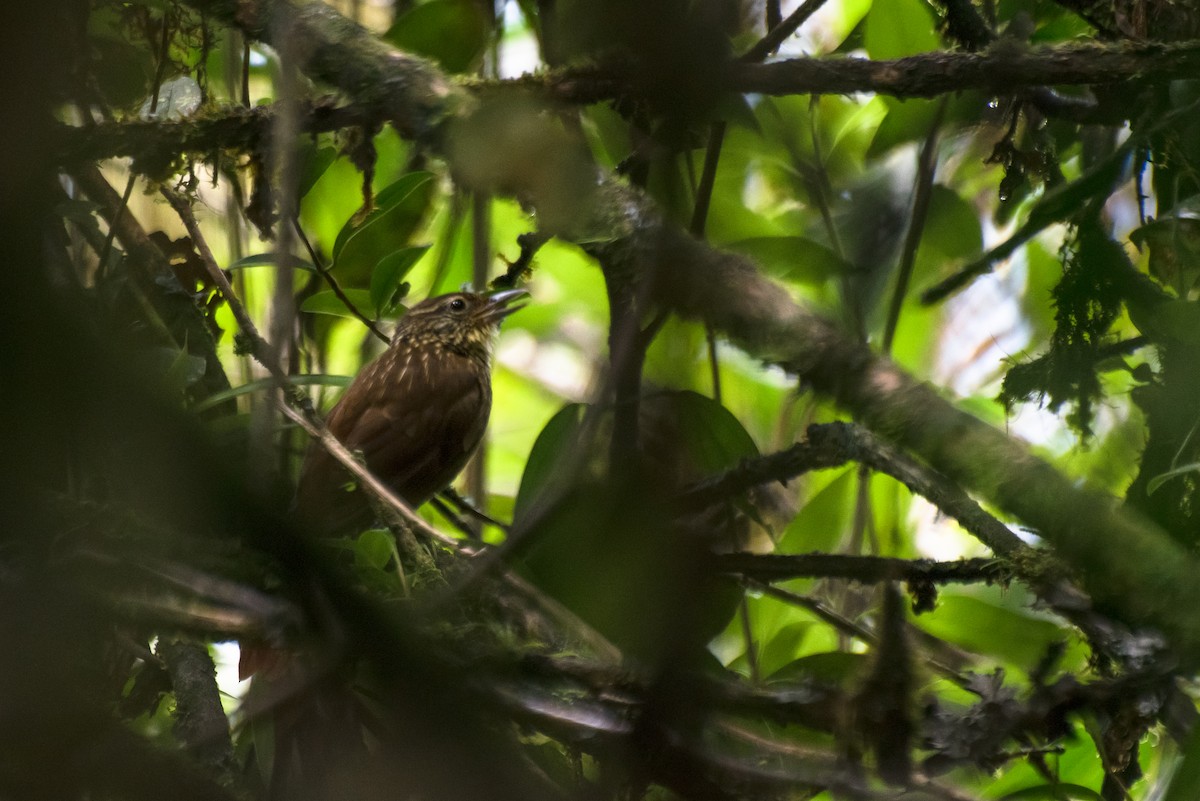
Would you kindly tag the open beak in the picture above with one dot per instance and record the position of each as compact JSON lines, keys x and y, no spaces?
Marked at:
{"x":499,"y":307}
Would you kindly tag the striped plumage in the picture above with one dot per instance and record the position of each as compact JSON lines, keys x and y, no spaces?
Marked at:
{"x":417,"y":412}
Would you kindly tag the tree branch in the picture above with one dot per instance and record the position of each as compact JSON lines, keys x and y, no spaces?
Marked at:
{"x":200,"y":722}
{"x":863,"y":569}
{"x":155,"y":145}
{"x":835,"y":444}
{"x":999,"y":69}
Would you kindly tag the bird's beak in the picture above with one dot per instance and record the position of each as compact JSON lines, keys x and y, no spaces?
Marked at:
{"x":498,"y":303}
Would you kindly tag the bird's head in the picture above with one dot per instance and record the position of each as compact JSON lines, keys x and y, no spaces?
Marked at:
{"x":465,"y":322}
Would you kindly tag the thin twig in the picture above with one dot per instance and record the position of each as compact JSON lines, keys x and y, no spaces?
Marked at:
{"x":926,"y":167}
{"x":481,"y":260}
{"x":262,"y":350}
{"x":846,"y":626}
{"x":335,"y":286}
{"x":465,"y":506}
{"x":106,"y":250}
{"x":863,"y":569}
{"x":776,"y":36}
{"x":704,"y":191}
{"x":835,"y":444}
{"x":365,"y":477}
{"x":752,"y":661}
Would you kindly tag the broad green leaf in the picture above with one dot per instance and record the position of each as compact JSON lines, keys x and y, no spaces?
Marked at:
{"x":271,"y":260}
{"x":736,"y":110}
{"x":714,"y":439}
{"x":833,"y":667}
{"x":452,"y":32}
{"x":544,"y":463}
{"x":398,"y":210}
{"x":824,"y":518}
{"x":374,"y":548}
{"x":703,"y":437}
{"x":327,"y":302}
{"x":952,"y":228}
{"x":386,"y":278}
{"x":848,"y":14}
{"x":906,"y":121}
{"x":604,"y":553}
{"x":523,"y":407}
{"x":897,"y":28}
{"x":985,"y":628}
{"x":337,"y":194}
{"x":607,"y":134}
{"x":1056,"y":792}
{"x":792,"y":258}
{"x":312,"y":161}
{"x":782,"y":647}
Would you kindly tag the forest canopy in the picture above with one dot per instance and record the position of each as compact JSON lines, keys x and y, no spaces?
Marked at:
{"x":842,"y":368}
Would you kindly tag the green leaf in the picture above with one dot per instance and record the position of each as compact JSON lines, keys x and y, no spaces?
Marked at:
{"x":312,"y":163}
{"x":1185,"y":784}
{"x":544,"y":463}
{"x":906,"y":121}
{"x":271,"y":260}
{"x":386,"y":278}
{"x":452,"y":32}
{"x":182,"y":368}
{"x":897,"y":28}
{"x":398,"y":210}
{"x":824,"y":518}
{"x":713,"y":438}
{"x":986,"y":628}
{"x":1056,"y":792}
{"x":845,"y":19}
{"x":374,"y":548}
{"x":782,"y":646}
{"x":710,"y":437}
{"x":832,"y":667}
{"x":311,"y":379}
{"x":792,"y":258}
{"x":952,"y":229}
{"x":1153,"y":484}
{"x":736,"y":110}
{"x":327,"y":302}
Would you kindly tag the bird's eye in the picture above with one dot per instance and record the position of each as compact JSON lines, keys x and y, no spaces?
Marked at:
{"x":456,"y":305}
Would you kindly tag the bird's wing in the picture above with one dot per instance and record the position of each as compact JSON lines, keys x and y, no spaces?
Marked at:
{"x":424,"y":430}
{"x":415,"y":429}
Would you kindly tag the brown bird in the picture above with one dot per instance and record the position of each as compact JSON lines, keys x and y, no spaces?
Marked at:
{"x":416,"y":413}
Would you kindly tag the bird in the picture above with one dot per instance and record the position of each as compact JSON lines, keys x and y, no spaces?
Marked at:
{"x":416,"y":413}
